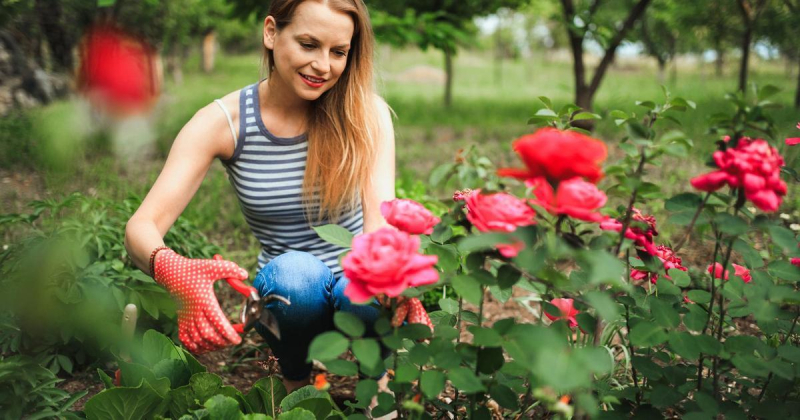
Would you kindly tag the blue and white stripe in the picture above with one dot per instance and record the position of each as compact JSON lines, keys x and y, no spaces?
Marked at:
{"x":267,"y":174}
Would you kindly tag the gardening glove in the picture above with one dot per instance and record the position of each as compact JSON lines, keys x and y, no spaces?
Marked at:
{"x":202,"y":326}
{"x":413,"y":311}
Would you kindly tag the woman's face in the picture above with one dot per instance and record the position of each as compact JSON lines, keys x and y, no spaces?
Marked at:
{"x":311,"y":52}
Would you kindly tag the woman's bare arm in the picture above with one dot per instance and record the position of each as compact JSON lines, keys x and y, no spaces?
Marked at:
{"x":383,"y":172}
{"x":205,"y":137}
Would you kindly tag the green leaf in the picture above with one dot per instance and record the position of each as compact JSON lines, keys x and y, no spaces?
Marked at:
{"x":699,"y":296}
{"x":155,"y":348}
{"x":586,"y":116}
{"x":448,"y":256}
{"x":419,"y":354}
{"x":665,"y":287}
{"x":683,"y":202}
{"x":546,"y":101}
{"x":465,"y":380}
{"x":181,"y":400}
{"x":205,"y":385}
{"x":406,"y":373}
{"x":684,"y":344}
{"x":605,"y":306}
{"x":468,"y":287}
{"x":784,"y":270}
{"x":348,"y":323}
{"x":342,"y":367}
{"x":486,"y":337}
{"x":414,"y":331}
{"x":484,"y":241}
{"x":646,"y":334}
{"x":504,"y":396}
{"x":695,"y":320}
{"x":440,"y":173}
{"x":223,"y":408}
{"x":327,"y":346}
{"x":432,"y":383}
{"x":730,"y":224}
{"x":297,"y":414}
{"x":368,"y":353}
{"x":664,"y":314}
{"x":507,"y":276}
{"x":307,"y":392}
{"x":605,"y":268}
{"x":365,"y":390}
{"x":125,"y":403}
{"x":490,"y":359}
{"x":449,"y":305}
{"x":546,"y":112}
{"x":751,"y":257}
{"x":766,"y":91}
{"x":107,"y":381}
{"x":335,"y":234}
{"x":679,"y":277}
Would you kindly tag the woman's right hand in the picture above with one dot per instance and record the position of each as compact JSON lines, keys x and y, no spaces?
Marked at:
{"x":202,"y":326}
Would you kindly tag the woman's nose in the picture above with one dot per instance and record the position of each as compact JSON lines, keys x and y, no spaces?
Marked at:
{"x":321,"y":64}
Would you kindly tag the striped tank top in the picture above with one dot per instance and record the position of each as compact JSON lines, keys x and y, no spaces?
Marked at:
{"x":267,"y":173}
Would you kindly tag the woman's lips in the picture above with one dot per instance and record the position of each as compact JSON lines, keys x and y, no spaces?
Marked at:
{"x":310,"y":83}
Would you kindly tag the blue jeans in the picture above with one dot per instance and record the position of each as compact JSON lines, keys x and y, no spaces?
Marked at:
{"x":314,"y":294}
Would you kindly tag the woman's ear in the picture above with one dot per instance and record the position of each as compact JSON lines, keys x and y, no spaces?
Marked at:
{"x":270,"y":31}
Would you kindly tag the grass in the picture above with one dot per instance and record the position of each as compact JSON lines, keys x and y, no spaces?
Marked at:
{"x":487,"y":111}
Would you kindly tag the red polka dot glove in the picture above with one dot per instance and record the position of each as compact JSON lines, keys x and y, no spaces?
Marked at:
{"x":413,"y":311}
{"x":202,"y":326}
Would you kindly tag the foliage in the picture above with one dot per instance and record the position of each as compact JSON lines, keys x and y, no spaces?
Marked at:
{"x":672,"y":347}
{"x":68,"y":252}
{"x":162,"y":380}
{"x":27,"y":389}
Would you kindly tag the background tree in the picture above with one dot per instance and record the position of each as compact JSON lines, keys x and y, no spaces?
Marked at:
{"x":749,"y":10}
{"x":780,"y":25}
{"x":608,"y":24}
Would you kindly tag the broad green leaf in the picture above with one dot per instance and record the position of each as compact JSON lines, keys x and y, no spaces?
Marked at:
{"x":699,"y":296}
{"x":406,"y":373}
{"x":414,"y":331}
{"x":684,"y":344}
{"x":266,"y":395}
{"x":507,"y":276}
{"x":784,"y":270}
{"x":696,"y":319}
{"x":504,"y":396}
{"x":419,"y":354}
{"x":683,"y":202}
{"x":125,"y":403}
{"x":327,"y":346}
{"x":665,"y":287}
{"x":465,"y":380}
{"x":484,"y":241}
{"x":680,"y":278}
{"x":349,"y":323}
{"x":155,"y":348}
{"x":586,"y":116}
{"x":440,"y":173}
{"x":605,"y":268}
{"x":731,"y":225}
{"x":335,"y":234}
{"x":205,"y":385}
{"x":647,"y":334}
{"x":181,"y":400}
{"x":751,"y":257}
{"x":368,"y":353}
{"x":468,"y":287}
{"x":305,"y":393}
{"x":664,"y":314}
{"x":449,"y":305}
{"x":783,"y":237}
{"x":486,"y":337}
{"x":223,"y":408}
{"x":605,"y":306}
{"x":297,"y":414}
{"x":448,"y":256}
{"x":342,"y":367}
{"x":365,"y":390}
{"x":432,"y":383}
{"x":490,"y":359}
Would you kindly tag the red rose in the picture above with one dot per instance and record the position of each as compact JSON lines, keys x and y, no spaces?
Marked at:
{"x":568,"y":311}
{"x":642,"y":237}
{"x":558,"y":155}
{"x":499,"y":212}
{"x":409,"y":216}
{"x":575,"y":198}
{"x":795,"y":262}
{"x":739,"y":271}
{"x":386,"y":261}
{"x":754,"y":166}
{"x":668,"y":259}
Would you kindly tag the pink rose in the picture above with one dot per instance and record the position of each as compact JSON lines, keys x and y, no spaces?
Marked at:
{"x":499,"y":212}
{"x":568,"y":311}
{"x":642,"y":237}
{"x":574,"y":197}
{"x":409,"y":216}
{"x":795,"y":262}
{"x":794,"y":140}
{"x":387,"y":262}
{"x":668,"y":259}
{"x":740,"y":271}
{"x":754,"y":166}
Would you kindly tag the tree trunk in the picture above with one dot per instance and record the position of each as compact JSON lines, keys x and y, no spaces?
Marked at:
{"x":209,"y":51}
{"x":58,"y":39}
{"x":746,"y":39}
{"x":719,"y":63}
{"x":448,"y":84}
{"x":673,"y":77}
{"x":797,"y":91}
{"x":662,"y":70}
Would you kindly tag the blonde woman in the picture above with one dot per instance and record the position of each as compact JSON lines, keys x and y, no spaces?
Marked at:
{"x":310,"y":145}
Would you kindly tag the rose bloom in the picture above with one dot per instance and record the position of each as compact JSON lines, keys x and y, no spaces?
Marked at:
{"x":568,"y":311}
{"x":795,"y":262}
{"x":409,"y":216}
{"x":668,"y":258}
{"x":499,"y":212}
{"x":641,"y":237}
{"x":575,"y":198}
{"x":752,"y":165}
{"x":794,"y":140}
{"x":558,"y":155}
{"x":387,"y":262}
{"x":740,"y":271}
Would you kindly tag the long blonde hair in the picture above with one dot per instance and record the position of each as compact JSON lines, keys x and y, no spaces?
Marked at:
{"x":342,"y":122}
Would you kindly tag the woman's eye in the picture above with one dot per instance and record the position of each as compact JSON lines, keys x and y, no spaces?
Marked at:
{"x":307,"y":46}
{"x":341,"y":53}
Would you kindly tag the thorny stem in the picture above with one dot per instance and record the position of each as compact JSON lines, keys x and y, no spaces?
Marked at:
{"x":398,"y":394}
{"x":710,"y":311}
{"x":689,"y":228}
{"x":785,"y":339}
{"x":629,"y":211}
{"x":740,"y":199}
{"x":474,"y":399}
{"x":630,"y":348}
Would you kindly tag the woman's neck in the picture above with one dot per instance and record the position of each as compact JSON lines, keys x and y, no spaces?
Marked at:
{"x":280,"y":102}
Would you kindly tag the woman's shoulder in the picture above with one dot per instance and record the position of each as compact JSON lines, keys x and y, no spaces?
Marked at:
{"x":212,"y":120}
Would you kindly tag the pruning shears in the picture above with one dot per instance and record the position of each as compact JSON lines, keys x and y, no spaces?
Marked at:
{"x":254,"y":308}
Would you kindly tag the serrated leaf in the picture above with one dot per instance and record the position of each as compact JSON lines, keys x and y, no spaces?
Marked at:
{"x":335,"y":234}
{"x":327,"y":346}
{"x":349,"y":323}
{"x":647,"y":334}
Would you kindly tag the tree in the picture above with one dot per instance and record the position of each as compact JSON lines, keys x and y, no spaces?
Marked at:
{"x":781,"y":26}
{"x":750,"y":10}
{"x":609,"y":29}
{"x":440,"y":24}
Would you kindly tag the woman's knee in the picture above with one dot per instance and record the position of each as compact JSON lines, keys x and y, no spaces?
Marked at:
{"x":292,"y":273}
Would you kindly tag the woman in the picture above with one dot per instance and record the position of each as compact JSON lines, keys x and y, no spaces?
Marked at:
{"x":309,"y":145}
